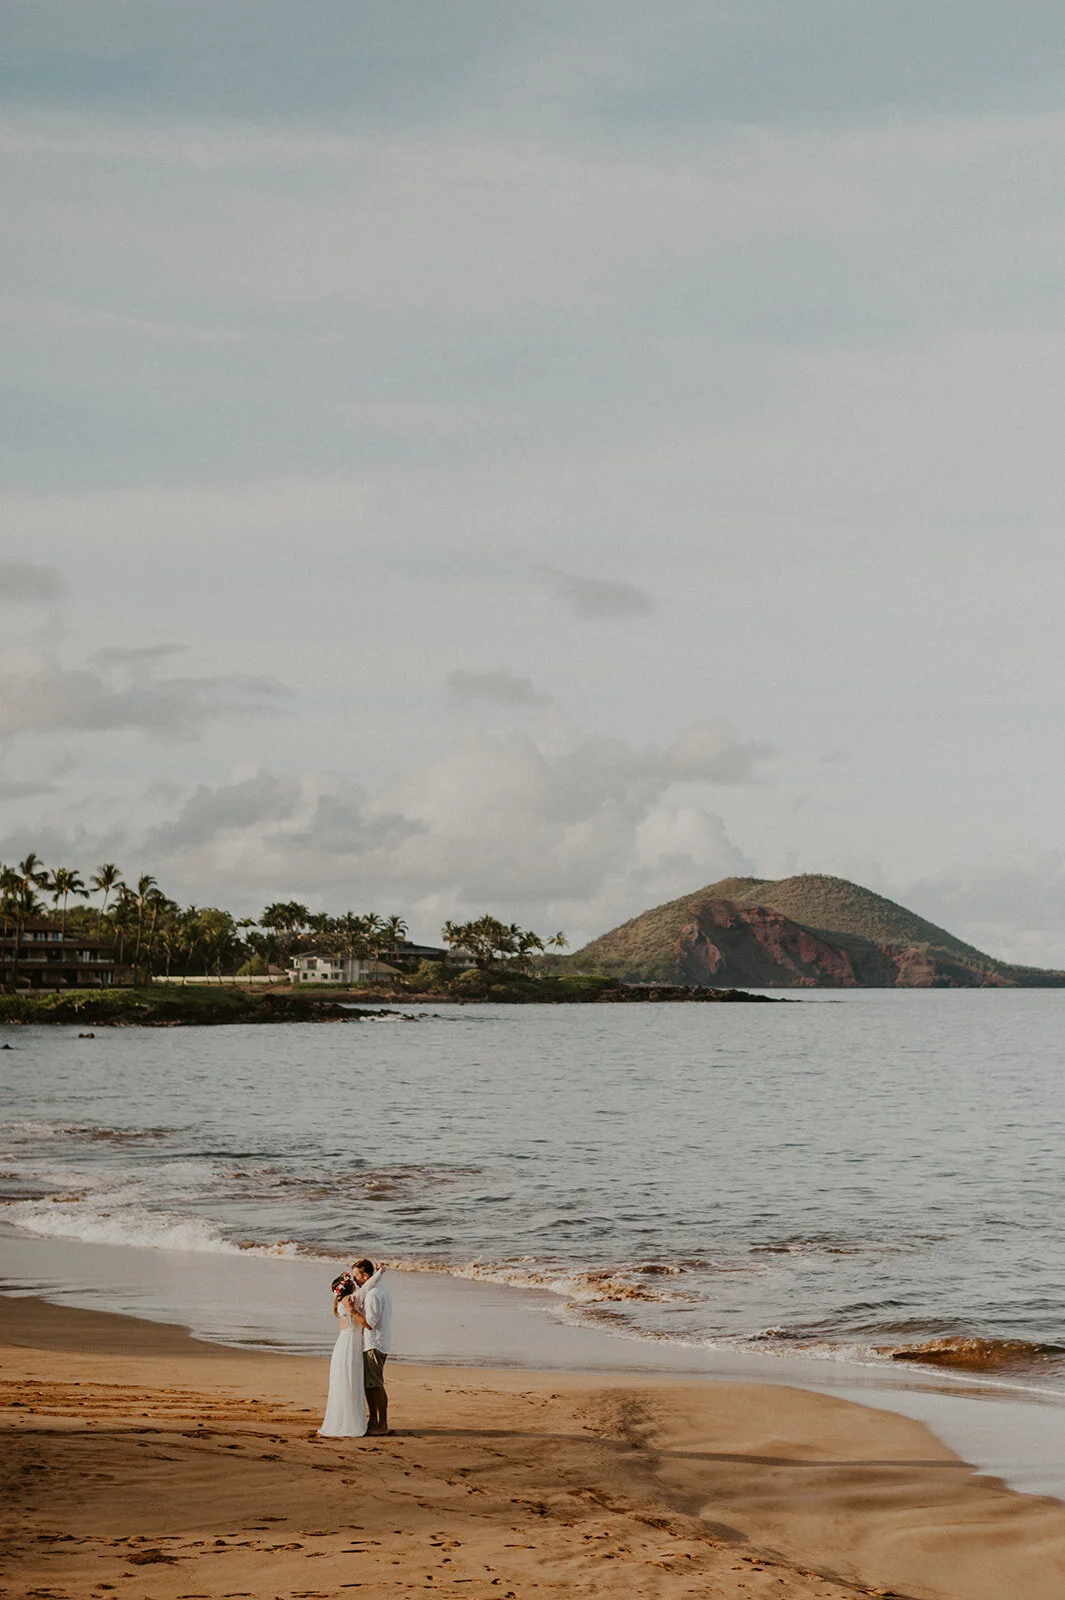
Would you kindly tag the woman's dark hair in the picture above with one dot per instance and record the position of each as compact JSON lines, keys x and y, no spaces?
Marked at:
{"x":344,"y":1284}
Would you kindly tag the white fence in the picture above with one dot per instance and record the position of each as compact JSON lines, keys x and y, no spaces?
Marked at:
{"x":199,"y":977}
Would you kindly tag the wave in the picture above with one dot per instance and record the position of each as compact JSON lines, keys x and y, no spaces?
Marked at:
{"x":117,"y":1186}
{"x":820,"y":1246}
{"x":117,"y":1215}
{"x":594,"y":1286}
{"x":359,"y":1183}
{"x":969,"y":1354}
{"x":611,"y":1298}
{"x":82,"y":1131}
{"x":78,"y":1217}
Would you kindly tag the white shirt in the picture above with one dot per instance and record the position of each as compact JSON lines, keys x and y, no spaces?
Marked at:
{"x":377,"y":1309}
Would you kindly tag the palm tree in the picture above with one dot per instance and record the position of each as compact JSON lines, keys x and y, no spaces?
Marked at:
{"x":218,"y":932}
{"x":158,"y":904}
{"x":65,"y":882}
{"x":284,"y":918}
{"x":374,"y":934}
{"x":351,"y":939}
{"x":242,"y":925}
{"x":395,"y":929}
{"x":105,"y":879}
{"x":145,"y":884}
{"x":122,"y":915}
{"x":9,"y":888}
{"x":526,"y":944}
{"x":30,"y":875}
{"x":189,"y":936}
{"x":171,"y":930}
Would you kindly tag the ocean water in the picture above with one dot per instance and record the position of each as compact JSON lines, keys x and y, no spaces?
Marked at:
{"x":843,"y":1177}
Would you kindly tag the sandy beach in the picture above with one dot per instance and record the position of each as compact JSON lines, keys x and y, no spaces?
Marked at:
{"x":139,"y":1461}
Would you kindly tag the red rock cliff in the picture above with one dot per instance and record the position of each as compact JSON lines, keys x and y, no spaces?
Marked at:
{"x":726,"y":944}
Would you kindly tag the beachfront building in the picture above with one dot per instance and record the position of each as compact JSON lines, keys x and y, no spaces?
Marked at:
{"x":403,"y":956}
{"x":408,"y":956}
{"x":47,"y":957}
{"x":311,"y":968}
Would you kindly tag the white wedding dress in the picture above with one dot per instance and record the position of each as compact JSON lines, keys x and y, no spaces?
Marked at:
{"x":345,"y":1409}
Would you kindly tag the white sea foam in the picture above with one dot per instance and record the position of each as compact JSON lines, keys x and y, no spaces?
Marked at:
{"x":96,"y":1222}
{"x":592,"y":1287}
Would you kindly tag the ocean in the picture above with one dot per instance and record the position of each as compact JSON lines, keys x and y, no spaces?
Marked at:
{"x":840,"y":1177}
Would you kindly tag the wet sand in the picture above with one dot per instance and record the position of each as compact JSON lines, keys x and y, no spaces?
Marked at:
{"x":139,"y":1461}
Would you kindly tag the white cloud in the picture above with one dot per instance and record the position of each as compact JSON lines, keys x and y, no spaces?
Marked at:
{"x":1012,"y":906}
{"x":38,"y":695}
{"x":558,"y":827}
{"x":711,"y":752}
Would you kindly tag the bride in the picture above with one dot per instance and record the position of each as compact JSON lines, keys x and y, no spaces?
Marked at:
{"x":345,"y":1410}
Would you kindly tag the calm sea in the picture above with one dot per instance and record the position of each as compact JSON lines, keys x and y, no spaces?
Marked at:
{"x":844,"y":1174}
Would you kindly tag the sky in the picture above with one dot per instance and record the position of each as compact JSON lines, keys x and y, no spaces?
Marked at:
{"x":536,"y":459}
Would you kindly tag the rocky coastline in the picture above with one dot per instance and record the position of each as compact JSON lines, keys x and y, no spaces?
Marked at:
{"x":202,"y":1006}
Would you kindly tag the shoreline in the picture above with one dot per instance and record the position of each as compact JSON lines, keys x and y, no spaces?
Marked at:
{"x":264,"y":1304}
{"x":175,"y":1005}
{"x":503,"y":1481}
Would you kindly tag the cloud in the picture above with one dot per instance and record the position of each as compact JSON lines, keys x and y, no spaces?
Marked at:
{"x":556,"y":826}
{"x":597,"y":598}
{"x":136,"y":656}
{"x":25,"y":581}
{"x":711,"y":752}
{"x":501,"y":687}
{"x":343,"y":822}
{"x":1012,"y":906}
{"x":210,"y":814}
{"x":39,"y":695}
{"x":25,"y":790}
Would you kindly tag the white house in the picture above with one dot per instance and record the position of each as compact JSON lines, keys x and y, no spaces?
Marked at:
{"x":338,"y":969}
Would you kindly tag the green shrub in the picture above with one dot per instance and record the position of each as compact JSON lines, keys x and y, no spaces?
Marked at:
{"x":429,"y":977}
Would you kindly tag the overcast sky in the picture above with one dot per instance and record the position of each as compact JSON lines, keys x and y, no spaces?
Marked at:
{"x":537,"y":458}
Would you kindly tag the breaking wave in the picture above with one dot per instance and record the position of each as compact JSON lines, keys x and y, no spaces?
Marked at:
{"x":96,"y":1221}
{"x":980,"y":1355}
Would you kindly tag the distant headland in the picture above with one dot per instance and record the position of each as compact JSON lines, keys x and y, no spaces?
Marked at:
{"x":138,"y":956}
{"x":810,"y":931}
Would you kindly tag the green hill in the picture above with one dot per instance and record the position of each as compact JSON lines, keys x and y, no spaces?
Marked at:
{"x":835,"y":905}
{"x":835,"y":932}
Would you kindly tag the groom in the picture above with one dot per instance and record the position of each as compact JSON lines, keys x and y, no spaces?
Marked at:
{"x":376,"y":1320}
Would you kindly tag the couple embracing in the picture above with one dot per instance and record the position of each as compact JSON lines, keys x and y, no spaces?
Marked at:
{"x":363,"y":1307}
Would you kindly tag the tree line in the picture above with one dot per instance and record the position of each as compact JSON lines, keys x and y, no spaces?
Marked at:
{"x":156,"y":937}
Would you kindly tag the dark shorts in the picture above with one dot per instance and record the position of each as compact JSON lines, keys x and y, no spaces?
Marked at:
{"x":373,"y":1368}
